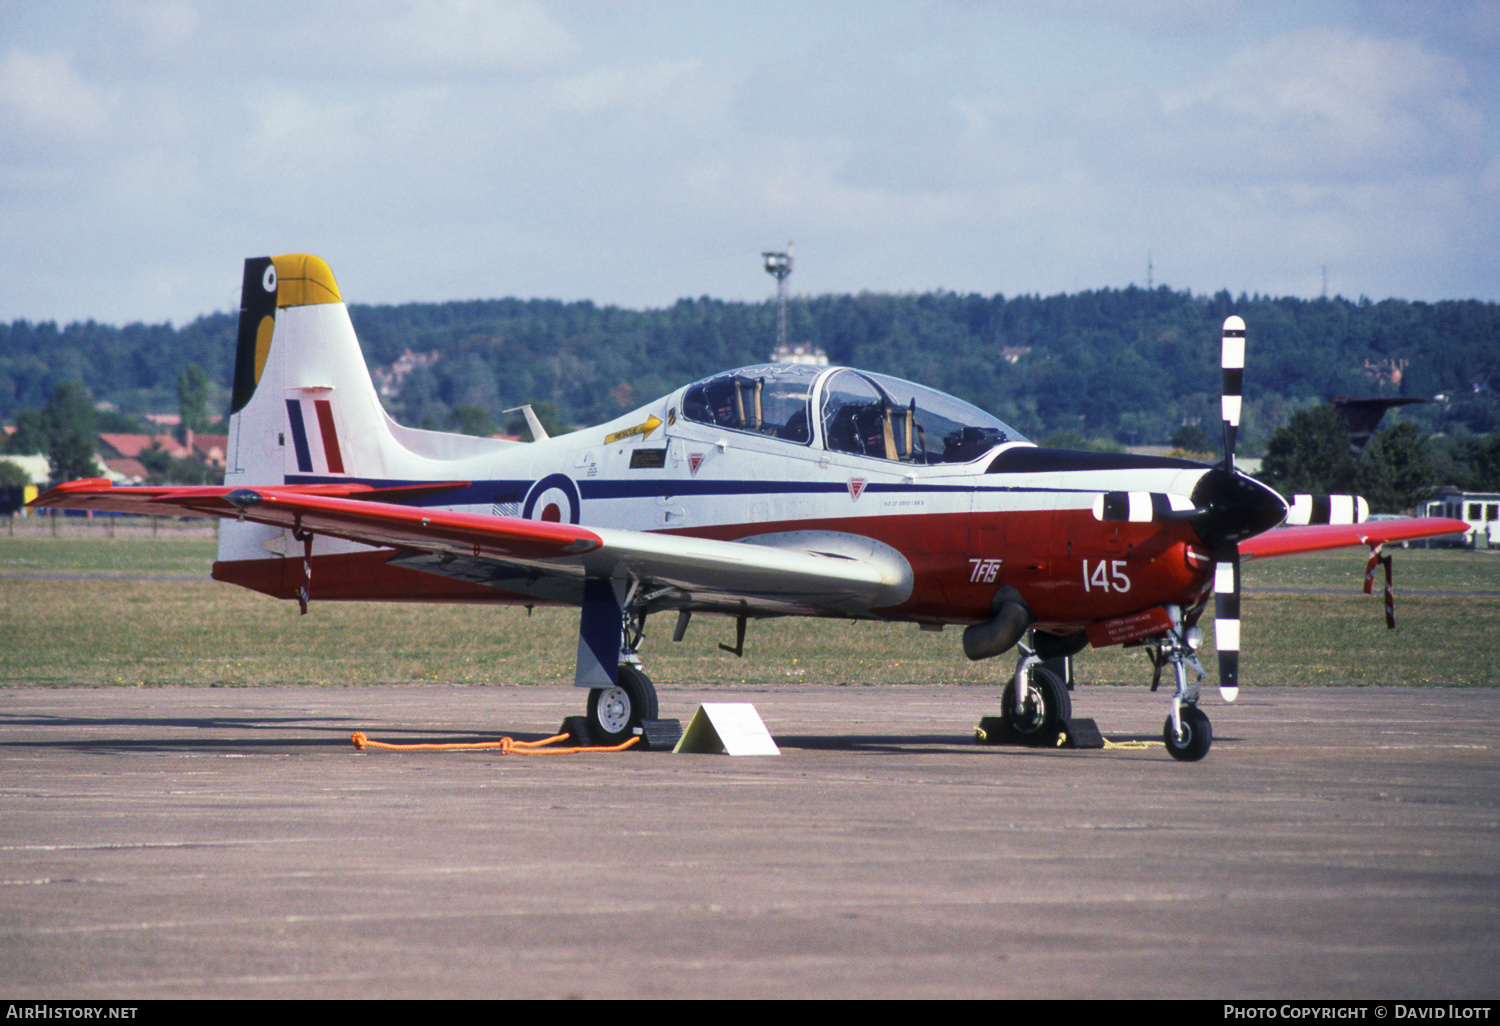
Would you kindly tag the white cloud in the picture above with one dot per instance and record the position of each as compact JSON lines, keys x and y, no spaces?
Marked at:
{"x":1152,"y":14}
{"x":159,"y":28}
{"x":1325,"y":103}
{"x":617,"y":86}
{"x":464,"y":37}
{"x":44,"y":93}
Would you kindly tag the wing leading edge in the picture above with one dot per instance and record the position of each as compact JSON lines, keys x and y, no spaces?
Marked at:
{"x":1287,"y":541}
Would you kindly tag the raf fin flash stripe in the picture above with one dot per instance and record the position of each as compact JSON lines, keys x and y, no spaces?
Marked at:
{"x":330,"y":436}
{"x":299,"y":435}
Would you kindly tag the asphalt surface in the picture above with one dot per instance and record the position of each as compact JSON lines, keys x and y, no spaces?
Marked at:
{"x":173,"y":842}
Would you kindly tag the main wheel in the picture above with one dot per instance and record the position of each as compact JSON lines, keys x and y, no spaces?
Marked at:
{"x":1197,"y":735}
{"x":615,"y":712}
{"x":1047,"y":705}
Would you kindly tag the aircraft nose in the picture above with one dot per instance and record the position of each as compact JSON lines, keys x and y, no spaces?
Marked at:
{"x":1235,"y":507}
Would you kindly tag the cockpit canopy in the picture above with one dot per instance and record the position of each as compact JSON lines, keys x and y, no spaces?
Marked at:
{"x":853,"y":411}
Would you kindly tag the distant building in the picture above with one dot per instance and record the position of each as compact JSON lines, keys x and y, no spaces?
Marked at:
{"x":800,"y":352}
{"x":1361,"y":416}
{"x":123,"y":470}
{"x":388,"y":381}
{"x":120,"y":454}
{"x":1480,"y":510}
{"x":113,"y":446}
{"x":36,"y":467}
{"x":210,"y":449}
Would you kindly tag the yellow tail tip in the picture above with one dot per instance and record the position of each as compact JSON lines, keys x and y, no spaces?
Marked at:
{"x":304,"y":280}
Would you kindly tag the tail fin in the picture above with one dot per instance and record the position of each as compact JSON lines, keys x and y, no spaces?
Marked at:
{"x":296,"y":351}
{"x":303,"y":405}
{"x":304,"y":408}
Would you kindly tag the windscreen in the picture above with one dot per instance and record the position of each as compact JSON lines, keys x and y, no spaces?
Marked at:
{"x":770,"y":399}
{"x":887,"y":418}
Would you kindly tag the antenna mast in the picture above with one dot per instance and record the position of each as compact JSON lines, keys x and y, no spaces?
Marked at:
{"x":778,"y":266}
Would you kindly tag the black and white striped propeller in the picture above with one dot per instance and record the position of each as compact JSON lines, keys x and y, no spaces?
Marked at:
{"x":1227,"y":550}
{"x":1258,"y":509}
{"x":1227,"y":507}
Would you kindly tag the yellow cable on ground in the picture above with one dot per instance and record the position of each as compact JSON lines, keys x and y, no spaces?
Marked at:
{"x":506,"y":745}
{"x":1108,"y":744}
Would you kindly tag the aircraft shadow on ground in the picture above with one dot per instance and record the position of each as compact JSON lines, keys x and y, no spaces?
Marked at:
{"x":162,"y":734}
{"x":326,"y":733}
{"x":916,"y":744}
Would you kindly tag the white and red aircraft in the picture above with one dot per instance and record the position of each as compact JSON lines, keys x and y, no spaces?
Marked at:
{"x":773,"y":490}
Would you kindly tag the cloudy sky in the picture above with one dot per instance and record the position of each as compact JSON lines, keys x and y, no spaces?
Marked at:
{"x":637,"y":151}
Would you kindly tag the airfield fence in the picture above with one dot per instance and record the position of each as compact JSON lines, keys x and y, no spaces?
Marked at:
{"x":75,"y":524}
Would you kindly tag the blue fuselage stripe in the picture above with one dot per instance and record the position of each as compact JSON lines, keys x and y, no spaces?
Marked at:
{"x":479,"y":493}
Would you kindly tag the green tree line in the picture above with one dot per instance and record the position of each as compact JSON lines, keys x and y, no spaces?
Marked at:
{"x":1125,"y":366}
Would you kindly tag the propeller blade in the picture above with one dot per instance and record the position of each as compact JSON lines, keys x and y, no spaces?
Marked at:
{"x":1143,"y":507}
{"x":1232,"y":362}
{"x":1327,"y":509}
{"x":1227,"y":620}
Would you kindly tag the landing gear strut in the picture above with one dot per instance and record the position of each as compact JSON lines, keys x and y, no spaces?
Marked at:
{"x":1187,"y":733}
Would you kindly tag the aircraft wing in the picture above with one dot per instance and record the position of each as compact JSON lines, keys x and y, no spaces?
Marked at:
{"x":547,"y":559}
{"x":97,"y":493}
{"x":1286,"y":541}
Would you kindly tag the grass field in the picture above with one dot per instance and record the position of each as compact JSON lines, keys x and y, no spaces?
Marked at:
{"x":84,"y":608}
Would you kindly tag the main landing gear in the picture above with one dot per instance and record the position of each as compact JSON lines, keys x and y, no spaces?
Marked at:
{"x":615,"y":712}
{"x":1186,"y":732}
{"x":1036,"y":709}
{"x":621,"y":697}
{"x":1044,"y":709}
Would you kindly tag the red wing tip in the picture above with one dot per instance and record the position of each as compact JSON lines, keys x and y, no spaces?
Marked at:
{"x":85,"y":484}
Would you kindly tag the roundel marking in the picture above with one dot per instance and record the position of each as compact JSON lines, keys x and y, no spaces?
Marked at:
{"x":554,"y":498}
{"x":268,"y":280}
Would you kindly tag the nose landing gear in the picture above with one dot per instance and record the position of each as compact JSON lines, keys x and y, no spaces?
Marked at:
{"x":1188,"y":741}
{"x":1187,"y":732}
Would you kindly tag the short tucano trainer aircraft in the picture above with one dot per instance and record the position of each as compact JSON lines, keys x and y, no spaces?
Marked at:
{"x":772,"y":490}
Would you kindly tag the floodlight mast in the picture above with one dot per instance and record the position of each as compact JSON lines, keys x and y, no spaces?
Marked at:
{"x":778,"y":266}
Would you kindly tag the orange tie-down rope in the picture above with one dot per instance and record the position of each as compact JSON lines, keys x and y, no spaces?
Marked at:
{"x":506,"y":745}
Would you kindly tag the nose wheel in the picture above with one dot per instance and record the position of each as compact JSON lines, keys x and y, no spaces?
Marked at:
{"x":1190,"y":741}
{"x":1186,"y":732}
